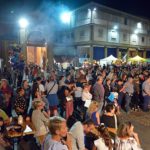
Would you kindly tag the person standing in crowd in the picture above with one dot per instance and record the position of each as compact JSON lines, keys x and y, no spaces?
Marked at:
{"x":103,"y":141}
{"x":77,"y":96}
{"x":86,"y":98}
{"x":120,"y":91}
{"x":7,"y":94}
{"x":129,"y":90}
{"x":68,"y":101}
{"x":136,"y":95}
{"x":98,"y":92}
{"x":61,"y":81}
{"x":58,"y":130}
{"x":27,"y":92}
{"x":107,"y":88}
{"x":51,"y":87}
{"x":40,"y":97}
{"x":146,"y":94}
{"x":20,"y":104}
{"x":109,"y":118}
{"x":35,"y":86}
{"x":78,"y":134}
{"x":39,"y":120}
{"x":127,"y":139}
{"x":93,"y":113}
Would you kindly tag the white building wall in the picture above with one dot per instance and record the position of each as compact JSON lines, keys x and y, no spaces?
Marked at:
{"x":104,"y":20}
{"x":100,"y":33}
{"x":124,"y":37}
{"x":134,"y":39}
{"x":82,"y":34}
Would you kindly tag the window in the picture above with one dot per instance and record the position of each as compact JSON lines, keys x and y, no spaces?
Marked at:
{"x":124,"y":37}
{"x":113,"y":35}
{"x":114,"y":18}
{"x":72,"y":35}
{"x":143,"y":39}
{"x":134,"y":38}
{"x":82,"y":33}
{"x":125,"y":21}
{"x":100,"y":33}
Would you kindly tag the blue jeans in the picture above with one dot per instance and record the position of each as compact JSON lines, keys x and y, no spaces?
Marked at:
{"x":146,"y":102}
{"x":127,"y":102}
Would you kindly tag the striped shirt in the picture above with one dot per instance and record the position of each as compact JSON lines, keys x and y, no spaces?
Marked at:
{"x":50,"y":85}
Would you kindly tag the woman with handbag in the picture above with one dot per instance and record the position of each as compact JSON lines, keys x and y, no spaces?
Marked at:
{"x":51,"y":88}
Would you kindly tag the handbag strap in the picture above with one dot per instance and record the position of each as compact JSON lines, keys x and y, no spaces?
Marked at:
{"x":115,"y":117}
{"x":51,"y":88}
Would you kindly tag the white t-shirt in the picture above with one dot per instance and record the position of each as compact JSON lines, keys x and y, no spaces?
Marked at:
{"x":127,"y":144}
{"x":78,"y":92}
{"x":41,"y":88}
{"x":100,"y":144}
{"x":86,"y":96}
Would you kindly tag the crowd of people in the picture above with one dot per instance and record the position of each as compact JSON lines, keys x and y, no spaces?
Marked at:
{"x":75,"y":109}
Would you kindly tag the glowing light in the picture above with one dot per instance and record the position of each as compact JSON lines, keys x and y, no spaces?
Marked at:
{"x":115,"y":27}
{"x":65,"y":17}
{"x":139,"y":25}
{"x":136,"y":31}
{"x":94,"y":9}
{"x":23,"y":23}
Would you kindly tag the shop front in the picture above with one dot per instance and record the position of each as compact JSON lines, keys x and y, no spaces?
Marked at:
{"x":36,"y":49}
{"x":148,"y":54}
{"x":132,"y":52}
{"x":112,"y":51}
{"x":98,"y":53}
{"x":122,"y":53}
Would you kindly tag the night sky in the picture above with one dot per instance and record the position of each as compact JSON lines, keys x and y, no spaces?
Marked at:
{"x":135,"y":7}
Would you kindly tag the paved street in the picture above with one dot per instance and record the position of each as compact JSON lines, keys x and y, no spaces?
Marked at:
{"x":141,"y":122}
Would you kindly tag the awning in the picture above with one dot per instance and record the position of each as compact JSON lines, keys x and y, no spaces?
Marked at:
{"x":137,"y":59}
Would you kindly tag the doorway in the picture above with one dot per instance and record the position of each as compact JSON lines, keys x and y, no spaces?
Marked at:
{"x":37,"y":55}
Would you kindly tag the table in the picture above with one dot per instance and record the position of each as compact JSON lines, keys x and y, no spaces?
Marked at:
{"x":15,"y":138}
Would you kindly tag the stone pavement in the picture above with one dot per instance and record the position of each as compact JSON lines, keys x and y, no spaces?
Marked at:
{"x":141,"y":121}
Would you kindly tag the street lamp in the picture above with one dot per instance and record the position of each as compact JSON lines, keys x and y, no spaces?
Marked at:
{"x":115,"y":27}
{"x":23,"y":23}
{"x":136,"y":31}
{"x":139,"y":25}
{"x":65,"y":17}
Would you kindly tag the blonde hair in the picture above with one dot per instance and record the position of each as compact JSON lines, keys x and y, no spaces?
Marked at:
{"x":55,"y":124}
{"x":124,"y":130}
{"x":37,"y":103}
{"x":92,"y":108}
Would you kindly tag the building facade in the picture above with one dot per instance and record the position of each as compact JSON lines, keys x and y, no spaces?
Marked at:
{"x":97,"y":31}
